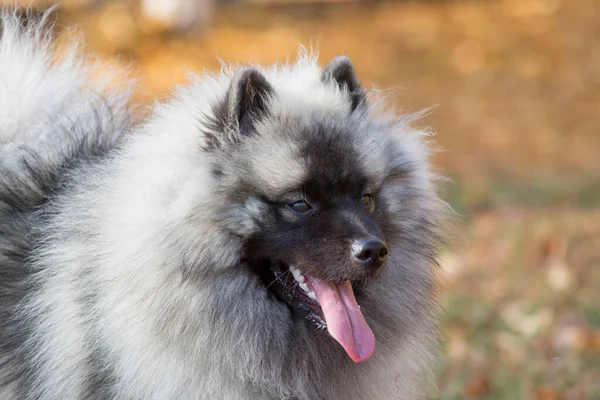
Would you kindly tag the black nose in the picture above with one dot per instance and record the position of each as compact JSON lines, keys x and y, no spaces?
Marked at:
{"x":372,"y":253}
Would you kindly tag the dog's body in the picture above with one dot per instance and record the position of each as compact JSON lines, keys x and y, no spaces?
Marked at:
{"x":144,"y":266}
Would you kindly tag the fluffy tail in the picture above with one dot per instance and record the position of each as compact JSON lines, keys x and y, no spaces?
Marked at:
{"x":54,"y":110}
{"x":54,"y":113}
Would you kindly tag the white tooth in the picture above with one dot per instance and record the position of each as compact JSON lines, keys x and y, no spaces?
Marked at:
{"x":295,"y":272}
{"x":302,"y":283}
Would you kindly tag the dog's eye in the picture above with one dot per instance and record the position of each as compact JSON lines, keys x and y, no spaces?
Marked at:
{"x":366,"y":201}
{"x":300,"y":206}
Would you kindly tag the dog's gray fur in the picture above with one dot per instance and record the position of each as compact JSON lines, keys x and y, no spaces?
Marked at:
{"x":121,"y":273}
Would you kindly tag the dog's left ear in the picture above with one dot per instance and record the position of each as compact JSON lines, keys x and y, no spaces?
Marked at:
{"x":341,"y":71}
{"x":247,"y":99}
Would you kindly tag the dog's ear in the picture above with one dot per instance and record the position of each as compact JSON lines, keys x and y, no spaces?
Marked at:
{"x":341,"y":71}
{"x":247,"y":99}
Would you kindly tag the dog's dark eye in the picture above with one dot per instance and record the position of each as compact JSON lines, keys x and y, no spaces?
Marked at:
{"x":300,"y":206}
{"x":366,"y":201}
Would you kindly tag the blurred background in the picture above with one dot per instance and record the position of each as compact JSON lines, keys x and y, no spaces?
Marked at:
{"x":516,"y":85}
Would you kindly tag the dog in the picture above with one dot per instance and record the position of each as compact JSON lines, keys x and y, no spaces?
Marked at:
{"x":266,"y":233}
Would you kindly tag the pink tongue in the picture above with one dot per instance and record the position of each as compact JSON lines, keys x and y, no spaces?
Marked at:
{"x":345,"y":321}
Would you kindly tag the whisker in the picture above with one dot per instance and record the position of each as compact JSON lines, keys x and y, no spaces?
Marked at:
{"x":278,"y":277}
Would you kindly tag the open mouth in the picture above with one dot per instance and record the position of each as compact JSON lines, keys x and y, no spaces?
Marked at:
{"x":329,"y":305}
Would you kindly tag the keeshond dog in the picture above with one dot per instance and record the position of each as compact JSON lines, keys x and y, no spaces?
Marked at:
{"x":267,"y":233}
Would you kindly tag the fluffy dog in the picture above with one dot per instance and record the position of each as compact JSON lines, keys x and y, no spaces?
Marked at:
{"x":267,"y":233}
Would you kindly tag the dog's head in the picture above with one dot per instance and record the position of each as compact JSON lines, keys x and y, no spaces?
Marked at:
{"x":323,"y":194}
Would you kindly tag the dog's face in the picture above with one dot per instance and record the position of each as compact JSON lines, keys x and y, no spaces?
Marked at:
{"x":327,"y":226}
{"x":314,"y":192}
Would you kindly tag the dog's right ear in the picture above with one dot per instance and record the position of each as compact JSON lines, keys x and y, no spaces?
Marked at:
{"x":247,"y":100}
